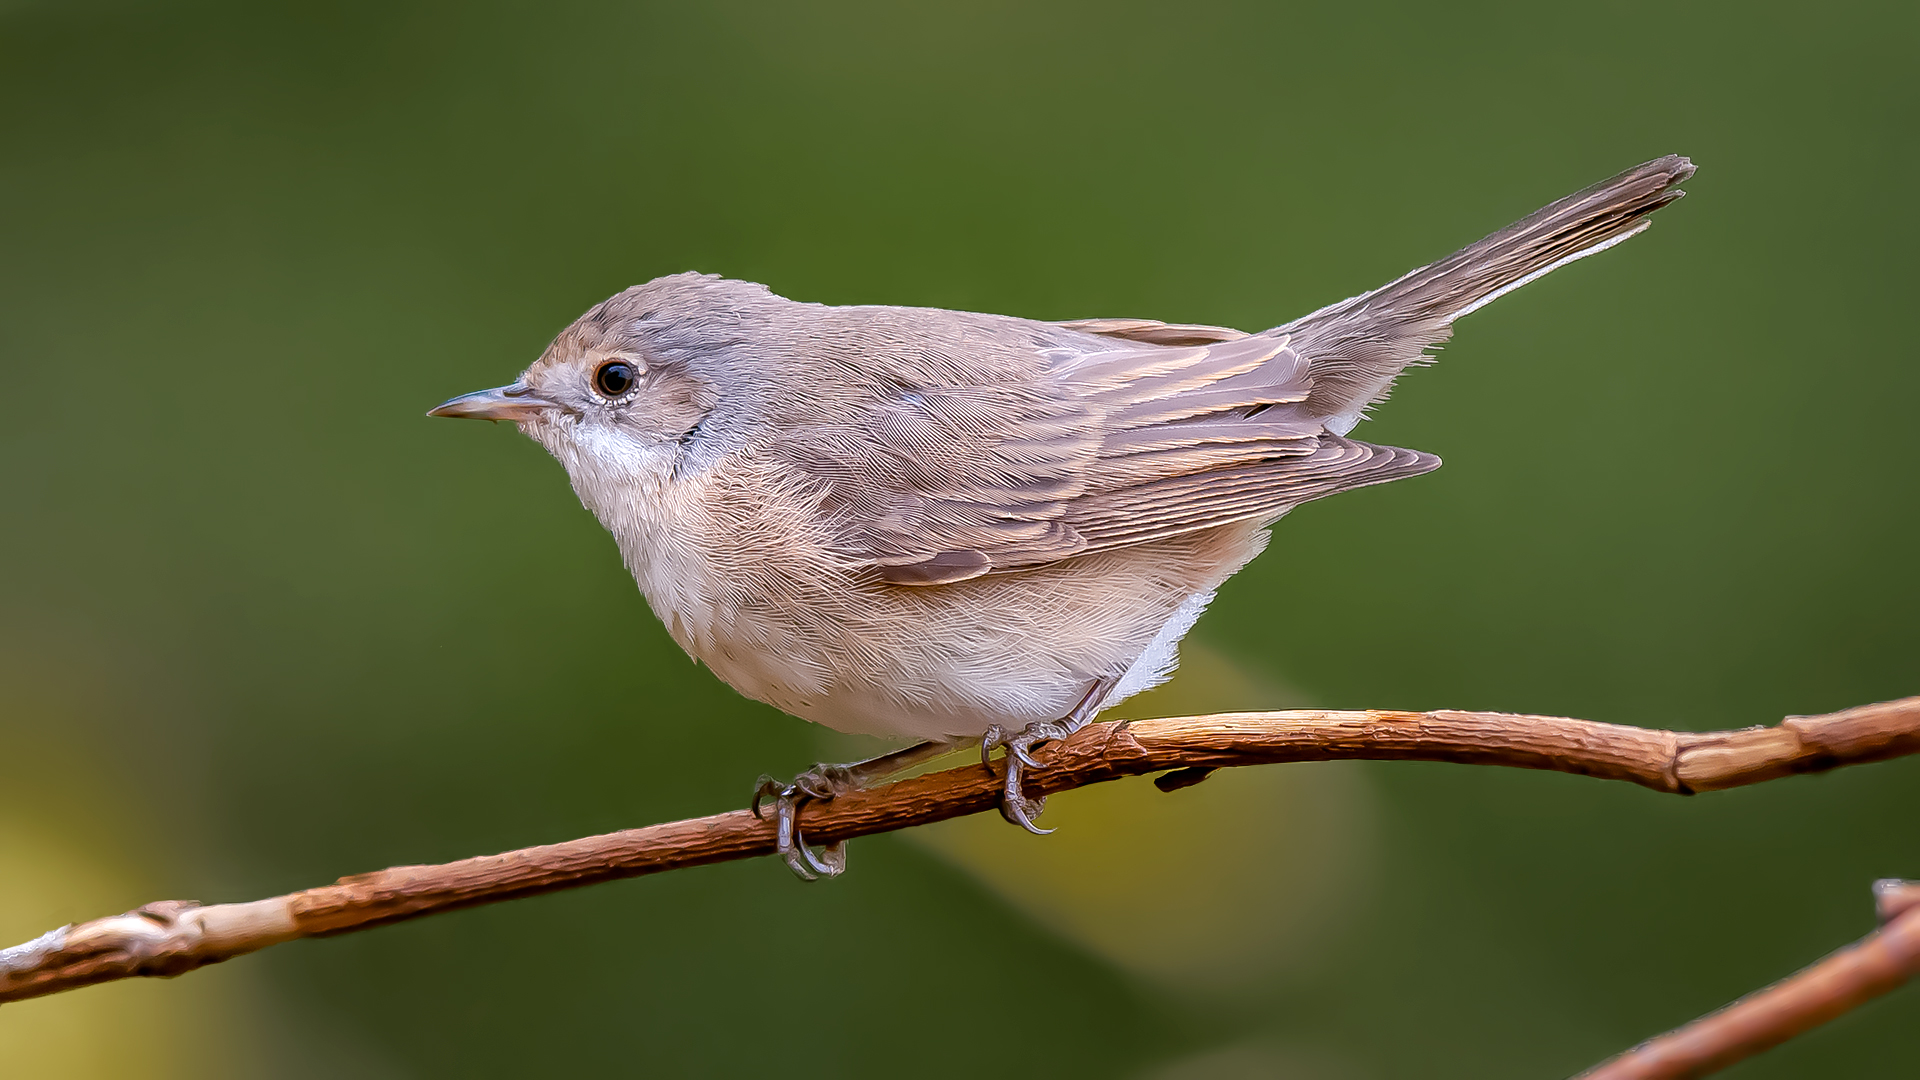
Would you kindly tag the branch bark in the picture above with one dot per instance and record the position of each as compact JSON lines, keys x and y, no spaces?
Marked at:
{"x":1880,"y":962}
{"x":173,"y":937}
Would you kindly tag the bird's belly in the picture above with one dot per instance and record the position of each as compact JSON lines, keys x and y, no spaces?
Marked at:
{"x":876,"y":669}
{"x":950,"y":661}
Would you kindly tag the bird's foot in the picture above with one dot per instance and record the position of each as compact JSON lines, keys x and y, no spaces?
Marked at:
{"x":818,"y":784}
{"x":1015,"y":805}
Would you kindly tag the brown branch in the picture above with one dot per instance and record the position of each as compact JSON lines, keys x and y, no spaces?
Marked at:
{"x":1880,"y":962}
{"x":173,"y":937}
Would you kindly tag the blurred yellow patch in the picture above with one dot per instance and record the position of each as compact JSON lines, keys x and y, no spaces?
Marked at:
{"x":126,"y":1030}
{"x":71,"y":849}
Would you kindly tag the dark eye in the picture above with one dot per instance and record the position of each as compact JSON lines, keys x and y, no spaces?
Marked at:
{"x":615,"y":378}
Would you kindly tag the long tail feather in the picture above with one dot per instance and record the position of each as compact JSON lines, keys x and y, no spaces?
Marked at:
{"x":1357,"y":347}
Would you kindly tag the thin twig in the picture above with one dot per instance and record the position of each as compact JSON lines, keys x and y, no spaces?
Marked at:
{"x":1880,"y":962}
{"x":173,"y":937}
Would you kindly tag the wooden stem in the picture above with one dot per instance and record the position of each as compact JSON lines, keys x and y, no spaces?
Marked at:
{"x":1880,"y":962}
{"x":173,"y":937}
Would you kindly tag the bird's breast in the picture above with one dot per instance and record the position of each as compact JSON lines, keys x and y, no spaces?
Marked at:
{"x":736,"y":562}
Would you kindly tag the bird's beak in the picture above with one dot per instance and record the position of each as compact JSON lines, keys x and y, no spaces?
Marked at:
{"x":516,"y":402}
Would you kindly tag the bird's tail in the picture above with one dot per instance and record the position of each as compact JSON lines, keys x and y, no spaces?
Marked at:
{"x":1357,"y":347}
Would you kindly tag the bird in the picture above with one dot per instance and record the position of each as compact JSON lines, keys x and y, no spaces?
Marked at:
{"x":963,"y":528}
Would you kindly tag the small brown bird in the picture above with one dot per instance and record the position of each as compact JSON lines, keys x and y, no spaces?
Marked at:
{"x":957,"y":527}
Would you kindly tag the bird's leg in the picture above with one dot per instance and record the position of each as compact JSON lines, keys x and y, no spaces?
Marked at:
{"x":821,"y":783}
{"x":1014,"y":804}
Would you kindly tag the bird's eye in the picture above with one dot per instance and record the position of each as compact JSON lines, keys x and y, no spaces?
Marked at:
{"x":614,"y":378}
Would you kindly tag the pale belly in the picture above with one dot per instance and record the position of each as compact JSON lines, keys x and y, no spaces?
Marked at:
{"x":950,"y":661}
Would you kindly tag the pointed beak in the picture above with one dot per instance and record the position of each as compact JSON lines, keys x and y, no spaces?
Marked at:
{"x":516,"y":402}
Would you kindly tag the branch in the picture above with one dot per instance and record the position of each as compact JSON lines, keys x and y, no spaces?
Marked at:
{"x":173,"y":937}
{"x":1880,"y":962}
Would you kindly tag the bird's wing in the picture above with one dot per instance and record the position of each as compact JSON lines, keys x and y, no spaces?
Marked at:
{"x":1122,"y":431}
{"x":1205,"y":435}
{"x":930,"y":483}
{"x":1108,"y":440}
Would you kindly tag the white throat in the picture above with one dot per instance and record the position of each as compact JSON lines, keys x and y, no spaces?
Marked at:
{"x":628,"y":483}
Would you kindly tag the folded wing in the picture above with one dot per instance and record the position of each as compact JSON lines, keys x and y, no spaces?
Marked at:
{"x":1107,"y":443}
{"x":1103,"y":433}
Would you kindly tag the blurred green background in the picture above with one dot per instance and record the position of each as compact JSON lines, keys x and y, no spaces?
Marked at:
{"x":265,"y":624}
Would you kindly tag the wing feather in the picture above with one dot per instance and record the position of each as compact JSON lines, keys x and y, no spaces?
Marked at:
{"x":1100,"y":443}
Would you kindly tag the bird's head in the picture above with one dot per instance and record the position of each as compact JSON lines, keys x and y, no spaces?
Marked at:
{"x":626,"y":385}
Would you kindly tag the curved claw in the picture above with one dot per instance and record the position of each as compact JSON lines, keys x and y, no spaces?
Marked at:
{"x":994,"y":736}
{"x":830,"y":862}
{"x":785,"y":831}
{"x":794,"y":863}
{"x":764,"y":788}
{"x":1016,"y":811}
{"x":1015,"y":806}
